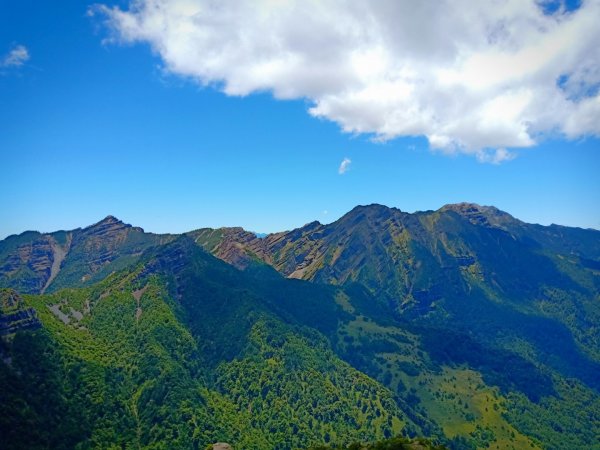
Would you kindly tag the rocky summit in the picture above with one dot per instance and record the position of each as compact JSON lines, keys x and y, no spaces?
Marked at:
{"x":35,"y":262}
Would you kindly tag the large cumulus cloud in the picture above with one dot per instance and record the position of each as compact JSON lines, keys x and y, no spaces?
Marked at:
{"x":476,"y":77}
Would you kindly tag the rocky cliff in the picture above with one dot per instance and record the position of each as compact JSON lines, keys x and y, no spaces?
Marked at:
{"x":14,"y":315}
{"x":33,"y":262}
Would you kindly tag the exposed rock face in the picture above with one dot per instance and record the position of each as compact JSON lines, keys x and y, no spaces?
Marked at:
{"x":410,"y":258}
{"x":39,"y":255}
{"x":100,"y":241}
{"x":9,"y":300}
{"x":14,"y":315}
{"x":482,"y":215}
{"x":222,"y":446}
{"x":35,"y":263}
{"x":58,"y":255}
{"x":29,"y":263}
{"x":102,"y":248}
{"x":24,"y":319}
{"x":234,"y":245}
{"x":414,"y":259}
{"x":328,"y":253}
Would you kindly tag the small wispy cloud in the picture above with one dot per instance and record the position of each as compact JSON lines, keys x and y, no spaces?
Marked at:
{"x":18,"y":56}
{"x":494,"y":156}
{"x":344,"y":166}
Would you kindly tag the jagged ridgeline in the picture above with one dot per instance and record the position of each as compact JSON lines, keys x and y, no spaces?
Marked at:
{"x":464,"y":324}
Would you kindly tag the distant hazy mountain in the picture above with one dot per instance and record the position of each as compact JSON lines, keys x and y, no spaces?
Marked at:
{"x":463,"y":324}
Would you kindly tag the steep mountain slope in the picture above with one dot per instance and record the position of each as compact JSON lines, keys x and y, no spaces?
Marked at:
{"x":464,"y":323}
{"x":184,"y":350}
{"x":517,"y":303}
{"x":401,"y":256}
{"x":475,"y":267}
{"x":34,"y":263}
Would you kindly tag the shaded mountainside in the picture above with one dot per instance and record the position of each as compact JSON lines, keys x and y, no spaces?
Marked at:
{"x":469,"y":267}
{"x":463,"y":324}
{"x":182,"y":351}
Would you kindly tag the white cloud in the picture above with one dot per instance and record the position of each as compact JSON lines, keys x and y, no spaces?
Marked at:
{"x":16,"y":57}
{"x":344,"y":166}
{"x":494,"y":156}
{"x":472,"y":77}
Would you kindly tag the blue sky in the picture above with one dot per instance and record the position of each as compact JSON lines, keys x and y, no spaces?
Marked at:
{"x":91,"y":127}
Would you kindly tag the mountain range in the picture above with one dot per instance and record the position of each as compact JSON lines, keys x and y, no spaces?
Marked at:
{"x":464,"y":325}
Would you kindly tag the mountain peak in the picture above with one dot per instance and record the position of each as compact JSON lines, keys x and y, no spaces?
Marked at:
{"x":312,"y":225}
{"x":107,"y":225}
{"x":373,"y":209}
{"x":480,"y":214}
{"x":465,"y":207}
{"x":109,"y":220}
